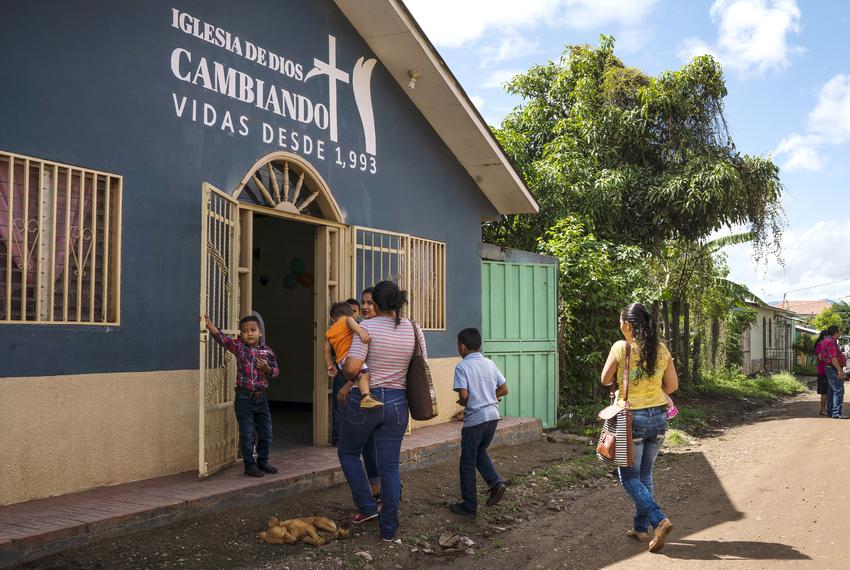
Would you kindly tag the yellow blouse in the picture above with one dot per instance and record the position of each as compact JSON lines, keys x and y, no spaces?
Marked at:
{"x":644,"y":391}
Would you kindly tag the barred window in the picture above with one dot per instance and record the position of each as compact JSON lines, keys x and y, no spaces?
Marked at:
{"x":427,"y":287}
{"x":60,"y":243}
{"x":415,"y":264}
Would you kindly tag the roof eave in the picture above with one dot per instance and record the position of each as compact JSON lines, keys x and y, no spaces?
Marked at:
{"x":393,"y":34}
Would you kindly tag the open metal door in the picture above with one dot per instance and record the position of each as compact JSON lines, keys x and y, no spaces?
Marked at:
{"x":329,"y":289}
{"x":218,"y":434}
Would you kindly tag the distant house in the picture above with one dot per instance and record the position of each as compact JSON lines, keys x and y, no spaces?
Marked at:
{"x":767,"y":344}
{"x":805,"y":309}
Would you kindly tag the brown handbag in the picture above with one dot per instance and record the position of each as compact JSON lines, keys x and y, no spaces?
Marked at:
{"x":421,"y":396}
{"x":615,"y":440}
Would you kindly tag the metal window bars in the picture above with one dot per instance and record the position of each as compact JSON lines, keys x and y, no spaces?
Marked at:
{"x":60,"y":243}
{"x":415,"y":264}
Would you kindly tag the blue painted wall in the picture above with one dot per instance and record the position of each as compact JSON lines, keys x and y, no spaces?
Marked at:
{"x":90,"y":84}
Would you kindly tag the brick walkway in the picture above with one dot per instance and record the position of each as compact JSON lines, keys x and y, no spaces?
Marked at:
{"x":36,"y":528}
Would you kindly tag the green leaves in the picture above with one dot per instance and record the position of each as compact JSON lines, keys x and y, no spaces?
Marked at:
{"x":642,"y":159}
{"x":633,"y":174}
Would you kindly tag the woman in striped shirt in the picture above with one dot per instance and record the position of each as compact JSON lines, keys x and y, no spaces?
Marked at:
{"x":388,"y":354}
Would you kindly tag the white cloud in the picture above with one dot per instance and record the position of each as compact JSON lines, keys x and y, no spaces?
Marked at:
{"x":802,"y":152}
{"x":511,"y":46}
{"x":693,"y":47}
{"x":453,"y":23}
{"x":810,"y":260}
{"x":478,"y":101}
{"x":831,"y":116}
{"x":752,"y":36}
{"x":828,"y":124}
{"x":497,"y":78}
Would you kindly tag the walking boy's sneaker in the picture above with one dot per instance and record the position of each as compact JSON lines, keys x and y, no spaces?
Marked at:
{"x":254,"y":471}
{"x":367,"y":401}
{"x":459,"y":509}
{"x":360,"y":518}
{"x":495,"y":495}
{"x":265,"y":467}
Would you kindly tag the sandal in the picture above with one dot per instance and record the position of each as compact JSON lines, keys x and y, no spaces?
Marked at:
{"x":661,"y":532}
{"x":637,"y":535}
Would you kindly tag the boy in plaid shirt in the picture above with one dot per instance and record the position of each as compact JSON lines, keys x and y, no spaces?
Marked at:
{"x":255,"y":364}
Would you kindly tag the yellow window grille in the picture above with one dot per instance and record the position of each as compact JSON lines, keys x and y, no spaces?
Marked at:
{"x":60,"y":243}
{"x":417,"y":265}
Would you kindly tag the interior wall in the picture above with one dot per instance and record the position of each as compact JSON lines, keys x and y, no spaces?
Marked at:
{"x":284,"y":294}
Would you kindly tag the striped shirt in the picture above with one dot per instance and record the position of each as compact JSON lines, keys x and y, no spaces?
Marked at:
{"x":389,"y":351}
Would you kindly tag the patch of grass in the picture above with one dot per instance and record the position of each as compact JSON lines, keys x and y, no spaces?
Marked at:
{"x":517,"y":479}
{"x":555,"y":474}
{"x":691,"y":420}
{"x":732,"y":383}
{"x":586,"y":467}
{"x":676,"y":438}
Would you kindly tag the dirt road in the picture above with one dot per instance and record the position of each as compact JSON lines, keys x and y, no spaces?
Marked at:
{"x":769,"y":492}
{"x":765,"y":494}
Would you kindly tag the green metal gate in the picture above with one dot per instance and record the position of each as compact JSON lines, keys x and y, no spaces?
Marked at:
{"x":519,"y":329}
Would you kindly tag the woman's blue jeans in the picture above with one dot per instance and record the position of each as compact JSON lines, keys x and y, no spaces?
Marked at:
{"x":835,"y":397}
{"x":386,"y":426}
{"x":649,"y":427}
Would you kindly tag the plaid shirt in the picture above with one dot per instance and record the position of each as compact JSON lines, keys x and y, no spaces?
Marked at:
{"x":248,"y":375}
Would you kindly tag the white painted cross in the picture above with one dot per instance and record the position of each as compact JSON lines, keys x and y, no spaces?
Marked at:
{"x":334,"y":74}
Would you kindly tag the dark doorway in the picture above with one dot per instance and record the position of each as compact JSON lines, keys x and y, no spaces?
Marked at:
{"x":283,"y":286}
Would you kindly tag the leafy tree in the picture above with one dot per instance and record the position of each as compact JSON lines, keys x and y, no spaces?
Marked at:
{"x":838,"y":315}
{"x":693,"y":275}
{"x":737,"y":321}
{"x":633,"y":175}
{"x":641,"y":159}
{"x":597,"y":279}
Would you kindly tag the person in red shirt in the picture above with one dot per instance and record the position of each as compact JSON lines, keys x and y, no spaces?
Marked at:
{"x":255,"y":364}
{"x":834,"y":362}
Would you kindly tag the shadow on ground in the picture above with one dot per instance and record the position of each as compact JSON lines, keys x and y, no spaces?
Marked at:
{"x":715,"y":415}
{"x":731,"y":550}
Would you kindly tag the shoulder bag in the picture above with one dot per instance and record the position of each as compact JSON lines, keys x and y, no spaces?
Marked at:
{"x":421,"y":396}
{"x":615,"y":440}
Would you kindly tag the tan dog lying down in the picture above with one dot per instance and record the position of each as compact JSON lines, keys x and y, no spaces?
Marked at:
{"x":304,"y":529}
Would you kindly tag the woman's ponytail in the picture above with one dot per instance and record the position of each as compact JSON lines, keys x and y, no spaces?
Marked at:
{"x":645,"y":332}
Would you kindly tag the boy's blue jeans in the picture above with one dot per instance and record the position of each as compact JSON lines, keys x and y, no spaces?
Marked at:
{"x":474,"y":442}
{"x":649,"y":427}
{"x":835,"y":396}
{"x":386,"y":426}
{"x":253,"y":415}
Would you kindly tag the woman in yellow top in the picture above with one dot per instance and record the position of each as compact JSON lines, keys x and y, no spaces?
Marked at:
{"x":652,"y":376}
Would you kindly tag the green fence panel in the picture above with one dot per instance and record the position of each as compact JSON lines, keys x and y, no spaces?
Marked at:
{"x":519,"y":329}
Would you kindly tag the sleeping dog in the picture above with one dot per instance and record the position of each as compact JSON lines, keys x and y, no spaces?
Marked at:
{"x":303,"y":529}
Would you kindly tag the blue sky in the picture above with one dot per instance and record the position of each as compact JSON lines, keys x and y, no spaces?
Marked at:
{"x":787,"y":67}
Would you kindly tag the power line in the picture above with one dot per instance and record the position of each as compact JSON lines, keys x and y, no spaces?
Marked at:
{"x":818,"y":285}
